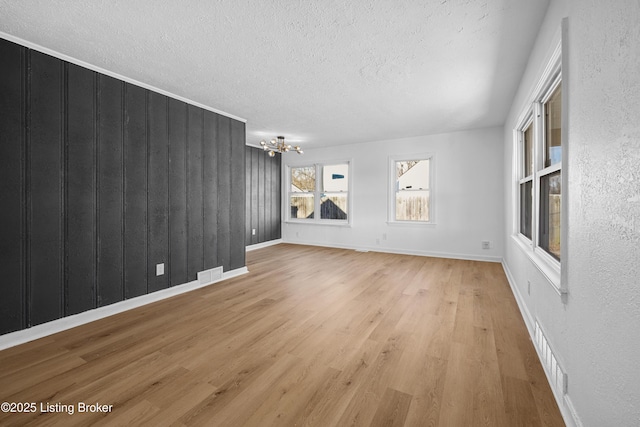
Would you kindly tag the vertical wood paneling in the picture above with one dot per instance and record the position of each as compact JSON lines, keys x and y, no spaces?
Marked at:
{"x":277,"y":202}
{"x":81,"y":190}
{"x":45,"y":176}
{"x":237,"y":196}
{"x":12,"y":134}
{"x":255,"y":187}
{"x":135,"y":191}
{"x":268,"y":198}
{"x":110,"y":191}
{"x":262,"y":196}
{"x":247,"y":219}
{"x":261,"y":190}
{"x":100,"y":181}
{"x":223,"y":144}
{"x":210,"y":189}
{"x":194,"y":193}
{"x":177,"y":192}
{"x":158,"y":202}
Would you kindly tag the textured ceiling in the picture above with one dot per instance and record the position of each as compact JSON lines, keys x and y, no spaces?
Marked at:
{"x":321,"y":73}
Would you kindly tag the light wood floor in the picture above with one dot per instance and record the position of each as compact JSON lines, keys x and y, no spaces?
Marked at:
{"x":311,"y":336}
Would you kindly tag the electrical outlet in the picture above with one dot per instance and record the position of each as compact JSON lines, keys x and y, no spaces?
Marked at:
{"x":486,"y":244}
{"x":253,"y":231}
{"x":384,"y":236}
{"x":159,"y":269}
{"x":528,"y":287}
{"x":297,"y":234}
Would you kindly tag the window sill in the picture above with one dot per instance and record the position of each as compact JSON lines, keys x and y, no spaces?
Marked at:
{"x":332,"y":223}
{"x":411,"y":224}
{"x":542,"y":262}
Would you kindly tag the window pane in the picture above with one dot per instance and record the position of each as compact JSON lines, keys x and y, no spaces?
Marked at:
{"x":303,"y":179}
{"x":526,"y":208}
{"x":528,"y":151}
{"x":553,"y":128}
{"x":333,"y":206}
{"x":550,"y":191}
{"x":335,"y":178}
{"x":412,"y":174}
{"x":302,"y":205}
{"x":412,"y":205}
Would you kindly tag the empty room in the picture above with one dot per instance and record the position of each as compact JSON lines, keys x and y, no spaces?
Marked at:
{"x":285,"y":213}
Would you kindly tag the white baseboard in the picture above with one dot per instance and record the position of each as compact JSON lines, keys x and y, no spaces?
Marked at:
{"x":526,"y":315}
{"x":567,"y":410}
{"x":465,"y":257}
{"x":263,"y":245}
{"x":25,"y":335}
{"x":572,"y":411}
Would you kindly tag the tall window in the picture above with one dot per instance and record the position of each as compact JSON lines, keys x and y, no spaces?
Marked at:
{"x":550,"y":176}
{"x":526,"y":182}
{"x":540,"y":166}
{"x":319,"y":193}
{"x":411,"y":198}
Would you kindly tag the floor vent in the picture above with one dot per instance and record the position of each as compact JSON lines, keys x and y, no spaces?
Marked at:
{"x":210,"y":276}
{"x":557,"y":376}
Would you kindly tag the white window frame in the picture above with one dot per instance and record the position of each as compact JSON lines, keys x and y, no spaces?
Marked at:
{"x":317,"y":193}
{"x":533,"y":114}
{"x":391,"y":218}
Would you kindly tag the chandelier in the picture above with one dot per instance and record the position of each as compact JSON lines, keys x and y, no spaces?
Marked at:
{"x":278,"y":145}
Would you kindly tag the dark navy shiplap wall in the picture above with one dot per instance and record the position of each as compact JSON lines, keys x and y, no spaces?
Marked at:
{"x":263,"y":196}
{"x":100,"y":180}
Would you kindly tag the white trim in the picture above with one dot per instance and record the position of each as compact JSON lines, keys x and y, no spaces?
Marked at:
{"x":411,"y":224}
{"x":542,"y":261}
{"x":83,"y":64}
{"x":564,"y":197}
{"x":310,"y":221}
{"x":317,"y":220}
{"x":250,"y":248}
{"x":524,"y":311}
{"x":567,"y":410}
{"x":532,"y":113}
{"x":232,"y":273}
{"x":552,"y":65}
{"x":572,"y":411}
{"x":391,"y":188}
{"x":25,"y":335}
{"x":359,"y":248}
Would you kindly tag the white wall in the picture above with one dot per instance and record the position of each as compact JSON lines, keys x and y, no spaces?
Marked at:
{"x":467,"y":189}
{"x":596,"y":333}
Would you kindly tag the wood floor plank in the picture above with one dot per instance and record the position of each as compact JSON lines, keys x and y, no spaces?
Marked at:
{"x":356,"y":339}
{"x":428,"y":386}
{"x":392,"y":412}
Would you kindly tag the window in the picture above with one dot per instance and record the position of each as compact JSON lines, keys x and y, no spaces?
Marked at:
{"x":319,"y":188}
{"x":539,"y":152}
{"x":302,"y":195}
{"x":411,"y":198}
{"x":526,"y":182}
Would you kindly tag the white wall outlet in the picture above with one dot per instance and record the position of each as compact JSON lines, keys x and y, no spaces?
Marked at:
{"x":528,"y":287}
{"x":159,"y":269}
{"x":384,"y":236}
{"x":486,"y":244}
{"x":297,"y":234}
{"x":253,"y":231}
